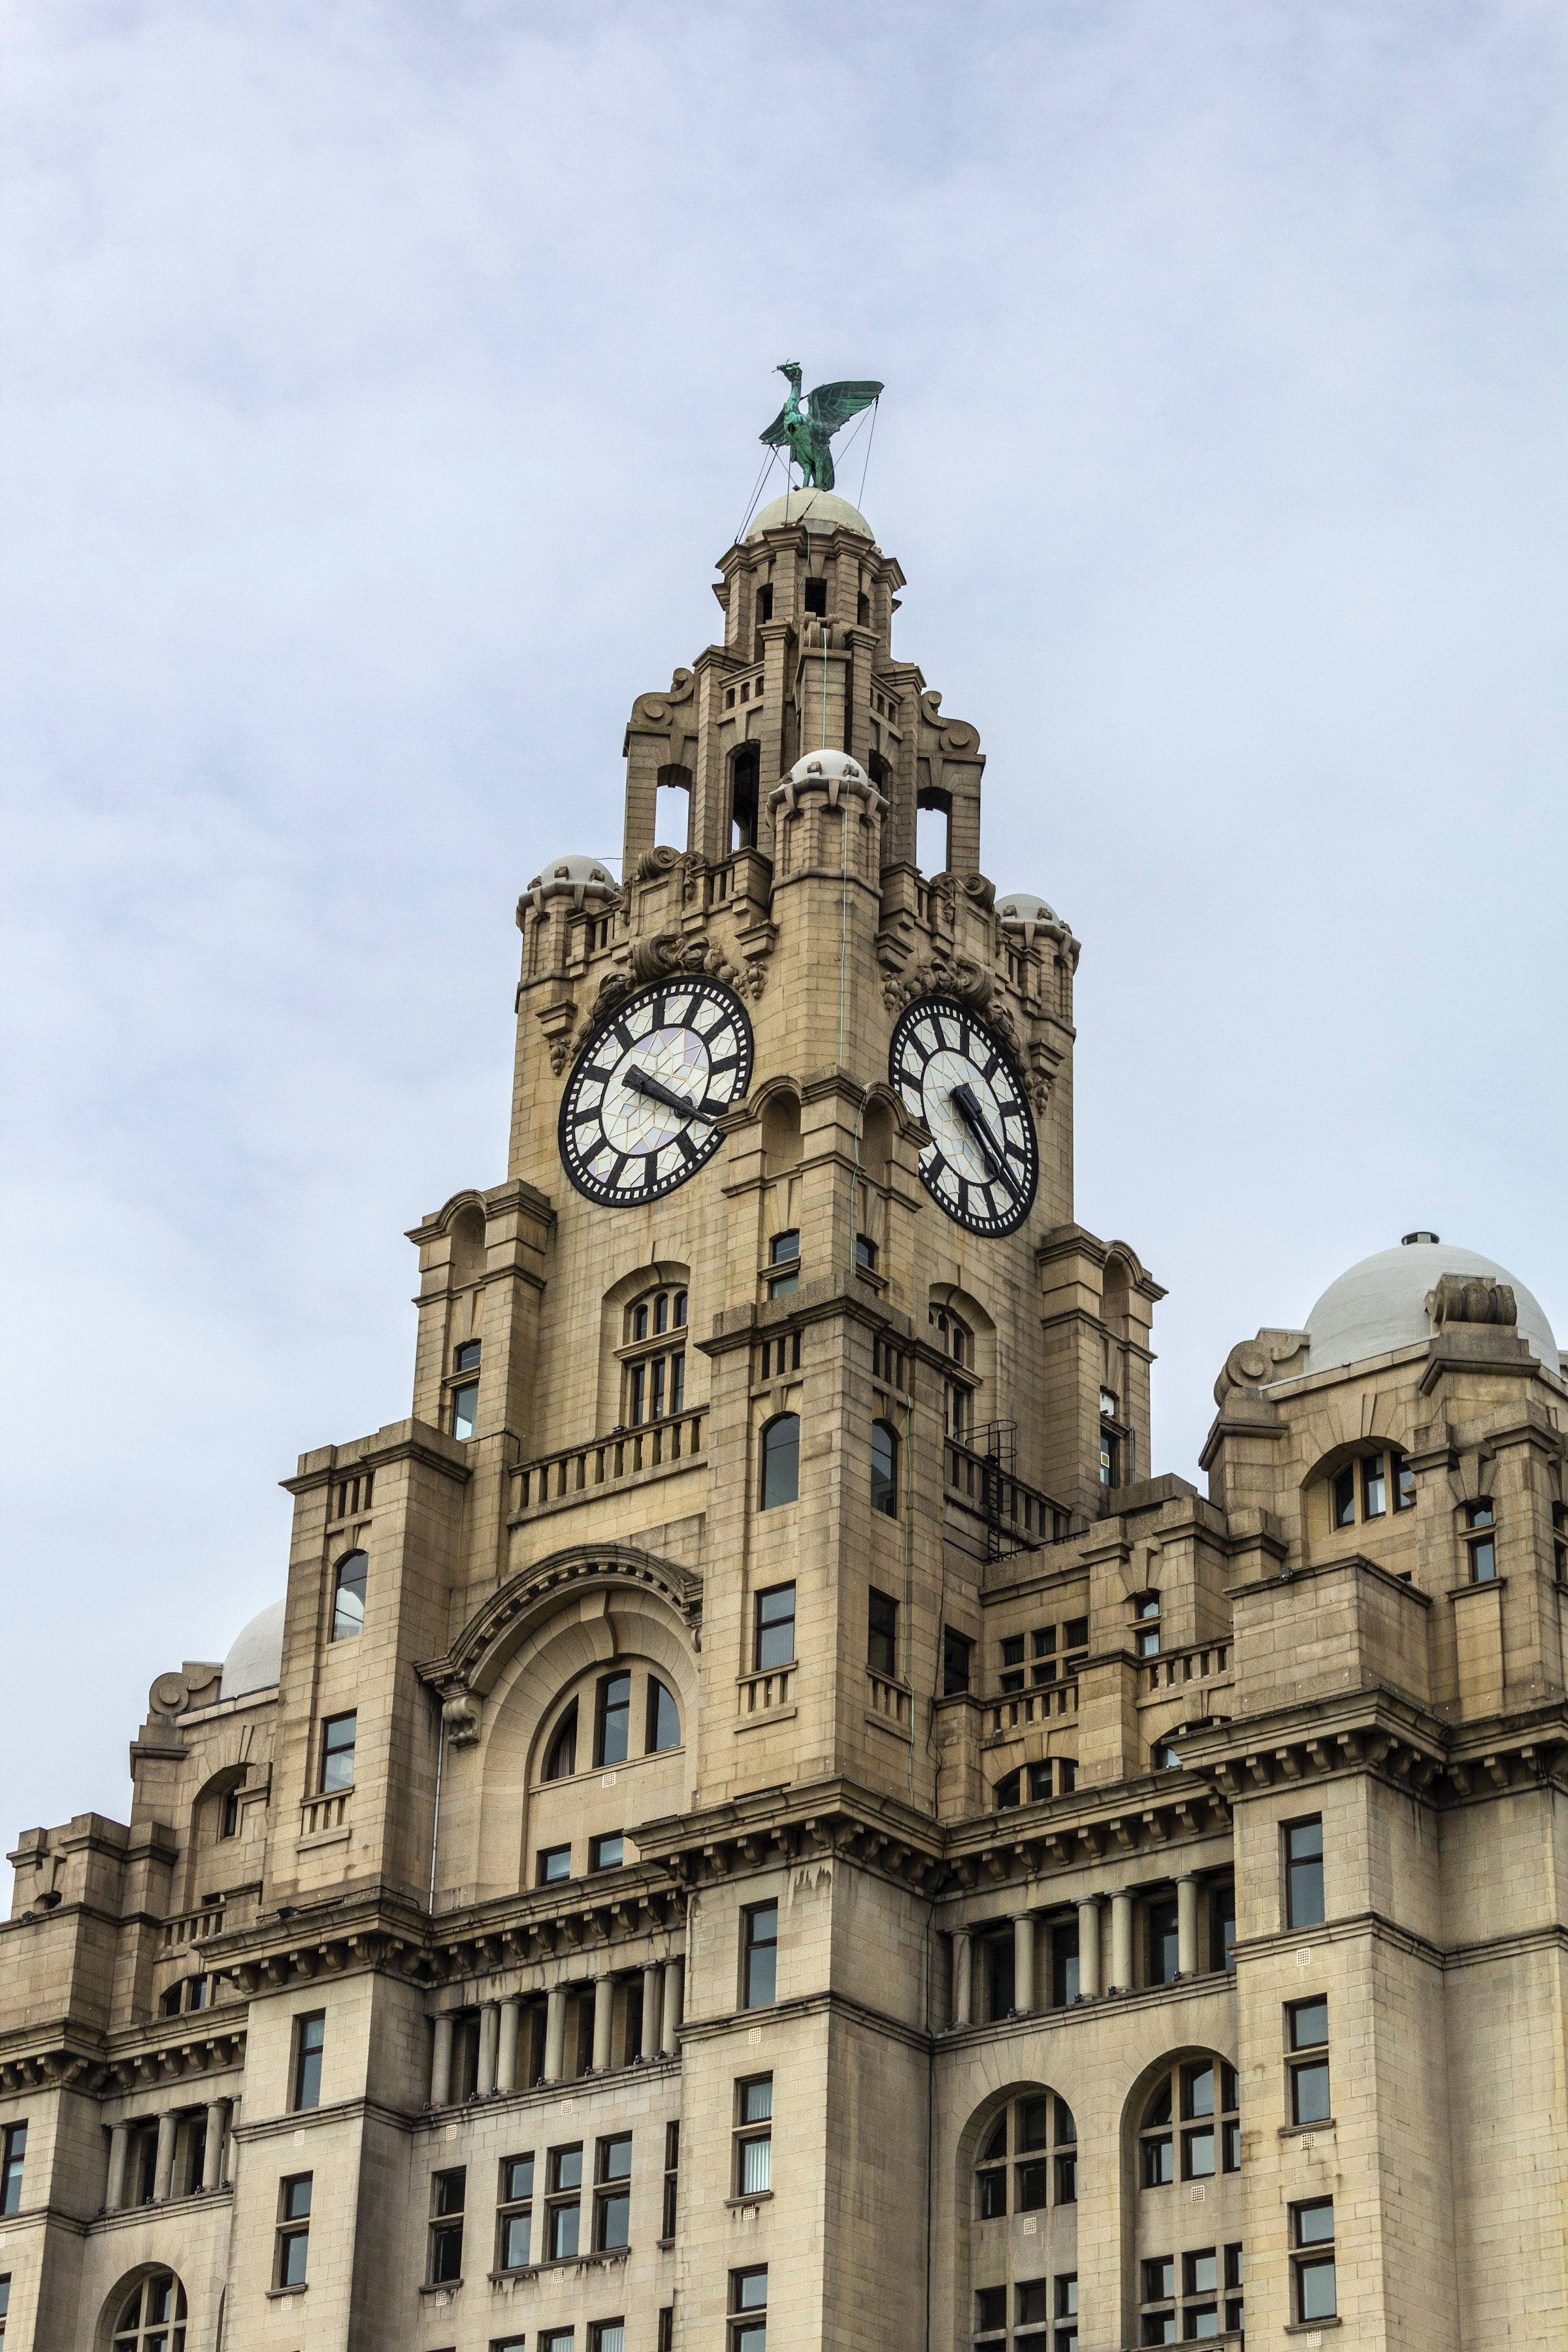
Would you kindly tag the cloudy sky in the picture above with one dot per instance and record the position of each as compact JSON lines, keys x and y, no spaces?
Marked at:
{"x":379,"y":383}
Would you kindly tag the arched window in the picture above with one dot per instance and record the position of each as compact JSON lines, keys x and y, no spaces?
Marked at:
{"x":348,"y":1596}
{"x":1028,"y":2159}
{"x":781,"y":1460}
{"x":745,"y":777}
{"x":1189,"y":2269}
{"x":654,"y":1377}
{"x":561,"y":1760}
{"x":1369,"y":1485}
{"x":884,"y":1468}
{"x":152,"y":2318}
{"x":663,"y":1717}
{"x":956,"y":1341}
{"x":1190,"y":2120}
{"x":1032,"y":1784}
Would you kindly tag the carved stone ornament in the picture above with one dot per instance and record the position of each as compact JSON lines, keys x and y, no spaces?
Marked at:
{"x":655,"y":864}
{"x":969,"y":983}
{"x":460,"y":1714}
{"x":1253,"y":1363}
{"x":661,"y":957}
{"x":1470,"y":1298}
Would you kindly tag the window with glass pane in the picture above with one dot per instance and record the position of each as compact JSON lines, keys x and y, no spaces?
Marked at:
{"x":780,"y":1460}
{"x":293,"y":2239}
{"x":1304,"y":1873}
{"x":754,"y":2137}
{"x":1222,"y":1924}
{"x":1343,"y":1499}
{"x":1163,"y":1947}
{"x":1146,"y":1626}
{"x":957,"y":1661}
{"x":13,"y":2156}
{"x":338,"y":1735}
{"x":151,"y":2320}
{"x":348,"y":1596}
{"x":990,"y":2314}
{"x":449,"y":2192}
{"x":613,"y":1738}
{"x":607,"y":1852}
{"x":1373,"y":1486}
{"x":560,"y":1761}
{"x":465,"y":1409}
{"x":228,"y":1820}
{"x":607,"y":2336}
{"x":775,"y":1627}
{"x":554,"y":1865}
{"x":612,"y":2199}
{"x":760,"y":1928}
{"x":663,"y":1717}
{"x":749,"y":2303}
{"x":310,"y":2040}
{"x":515,"y":2213}
{"x":1312,"y":2228}
{"x":882,"y":1633}
{"x":466,"y":1356}
{"x":565,"y":2204}
{"x":884,"y":1469}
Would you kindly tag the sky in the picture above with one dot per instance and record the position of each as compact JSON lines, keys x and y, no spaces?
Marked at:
{"x":378,"y":383}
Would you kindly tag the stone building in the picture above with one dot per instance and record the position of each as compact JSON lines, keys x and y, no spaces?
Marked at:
{"x":759,"y":1699}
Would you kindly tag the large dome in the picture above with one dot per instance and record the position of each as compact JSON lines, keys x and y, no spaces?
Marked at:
{"x":1380,"y":1305}
{"x":819,"y":510}
{"x":254,"y":1660}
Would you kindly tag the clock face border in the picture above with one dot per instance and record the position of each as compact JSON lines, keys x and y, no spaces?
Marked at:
{"x":688,"y":991}
{"x":974,"y":1031}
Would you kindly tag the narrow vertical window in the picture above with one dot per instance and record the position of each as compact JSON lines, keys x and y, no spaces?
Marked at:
{"x":565,"y":2203}
{"x":1344,"y":1496}
{"x":753,"y":2170}
{"x":515,"y":2213}
{"x":293,"y":2254}
{"x":760,"y":1956}
{"x":671,"y":2181}
{"x":12,"y":2153}
{"x":1304,"y":1873}
{"x":781,"y":1460}
{"x":338,"y":1736}
{"x":560,"y":1761}
{"x":775,"y":1628}
{"x":1373,"y":1488}
{"x":749,"y":2303}
{"x":1146,"y":1629}
{"x":663,"y":1717}
{"x":882,"y":1636}
{"x":348,"y":1596}
{"x":310,"y":2040}
{"x":957,"y":1661}
{"x":465,"y":1409}
{"x":1312,"y":2234}
{"x":1307,"y":2030}
{"x":884,"y":1469}
{"x":228,"y":1819}
{"x":613,"y":2194}
{"x":613,"y":1739}
{"x":448,"y":2194}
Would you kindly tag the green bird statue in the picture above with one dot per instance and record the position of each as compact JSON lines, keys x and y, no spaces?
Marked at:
{"x":807,"y":433}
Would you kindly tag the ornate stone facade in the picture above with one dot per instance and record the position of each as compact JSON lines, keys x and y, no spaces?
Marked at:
{"x":757,"y":1813}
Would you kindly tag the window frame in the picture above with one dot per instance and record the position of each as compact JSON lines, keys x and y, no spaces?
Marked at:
{"x":308,"y":2061}
{"x":326,"y":1786}
{"x":12,"y":2165}
{"x":562,"y":2198}
{"x":752,"y":1946}
{"x":445,"y":2225}
{"x":883,"y":1616}
{"x":513,"y":2207}
{"x":610,"y":2190}
{"x":1298,"y":1899}
{"x":783,"y":1451}
{"x":293,"y":2230}
{"x":748,"y":2131}
{"x":884,"y":1468}
{"x":1312,"y":2257}
{"x":349,"y":1631}
{"x":760,"y":1627}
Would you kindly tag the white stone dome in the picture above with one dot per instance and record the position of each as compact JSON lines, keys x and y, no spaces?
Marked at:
{"x":1380,"y":1305}
{"x":817,"y":509}
{"x":826,"y":771}
{"x":254,"y":1660}
{"x":1027,"y":912}
{"x":581,"y":876}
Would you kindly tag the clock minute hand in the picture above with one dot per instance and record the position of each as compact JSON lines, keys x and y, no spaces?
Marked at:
{"x":974,"y":1119}
{"x":639,"y":1083}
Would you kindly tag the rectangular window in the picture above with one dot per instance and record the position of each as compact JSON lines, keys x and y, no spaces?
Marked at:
{"x":990,"y":2311}
{"x":607,"y":1852}
{"x":775,"y":1628}
{"x":1222,"y":1926}
{"x":760,"y":1951}
{"x":554,"y":1865}
{"x":1312,"y":2232}
{"x":13,"y":2151}
{"x":1373,"y":1488}
{"x":1344,"y":1504}
{"x":611,"y":1734}
{"x":671,"y":2180}
{"x":310,"y":2038}
{"x":293,"y":2230}
{"x":753,"y":2137}
{"x":817,"y":597}
{"x":1483,"y":1561}
{"x":448,"y":2194}
{"x":348,"y":1597}
{"x":1164,"y":1943}
{"x":556,"y":2339}
{"x":1404,"y":1483}
{"x":465,"y":1409}
{"x":1063,"y":1965}
{"x":783,"y":1248}
{"x":1310,"y":2092}
{"x":606,"y":2336}
{"x":749,"y":2309}
{"x":613,"y":2194}
{"x":866,"y":1252}
{"x":677,"y":1381}
{"x":4,"y":2302}
{"x":957,"y":1661}
{"x":667,"y":2328}
{"x":565,"y":2203}
{"x":882,"y":1633}
{"x":466,"y":1357}
{"x":338,"y":1735}
{"x":1146,"y":1628}
{"x":636,"y":1387}
{"x":514,"y":2214}
{"x":1304,"y":1873}
{"x":1075,"y":1636}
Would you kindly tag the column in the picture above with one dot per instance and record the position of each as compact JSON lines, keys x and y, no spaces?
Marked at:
{"x":963,"y":1978}
{"x":118,"y":2148}
{"x":1023,"y":1963}
{"x":1122,"y":1943}
{"x":650,"y":2009}
{"x":1089,"y":1946}
{"x":1187,"y":1925}
{"x":212,"y":2160}
{"x":604,"y":2019}
{"x":163,"y":2168}
{"x":674,"y":1992}
{"x":441,"y":2062}
{"x":506,"y":2049}
{"x":489,"y":2027}
{"x":555,"y":2035}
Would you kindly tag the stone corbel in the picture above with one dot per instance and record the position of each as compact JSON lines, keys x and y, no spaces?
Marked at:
{"x":460,"y":1713}
{"x":558,"y":1020}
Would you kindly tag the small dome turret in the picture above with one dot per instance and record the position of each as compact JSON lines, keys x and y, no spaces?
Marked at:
{"x":1027,"y":912}
{"x":582,"y":879}
{"x":254,"y":1660}
{"x":832,"y":772}
{"x":817,"y":509}
{"x":1382,"y":1303}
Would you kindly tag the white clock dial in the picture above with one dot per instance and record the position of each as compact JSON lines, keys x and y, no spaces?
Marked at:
{"x":640,"y":1113}
{"x":951,"y":1071}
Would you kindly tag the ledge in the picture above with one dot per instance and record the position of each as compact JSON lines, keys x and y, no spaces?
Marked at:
{"x":758,"y":2197}
{"x":1311,"y":2326}
{"x":764,"y":1717}
{"x":282,"y":2293}
{"x":441,"y":2287}
{"x":1301,"y":2131}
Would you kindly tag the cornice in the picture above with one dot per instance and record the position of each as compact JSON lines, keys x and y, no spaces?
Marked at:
{"x":431,"y":1455}
{"x":472,"y":1662}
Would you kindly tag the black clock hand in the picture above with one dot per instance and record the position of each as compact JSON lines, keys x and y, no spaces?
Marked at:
{"x":639,"y":1083}
{"x":974,"y":1119}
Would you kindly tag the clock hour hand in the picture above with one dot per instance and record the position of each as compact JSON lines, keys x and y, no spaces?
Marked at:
{"x":974,"y":1119}
{"x":639,"y":1083}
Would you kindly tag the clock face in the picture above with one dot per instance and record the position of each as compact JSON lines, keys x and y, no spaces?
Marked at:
{"x":639,"y":1113}
{"x":983,"y":1163}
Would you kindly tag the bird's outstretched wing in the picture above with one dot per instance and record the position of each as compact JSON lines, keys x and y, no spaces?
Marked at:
{"x":833,"y":404}
{"x":775,"y":437}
